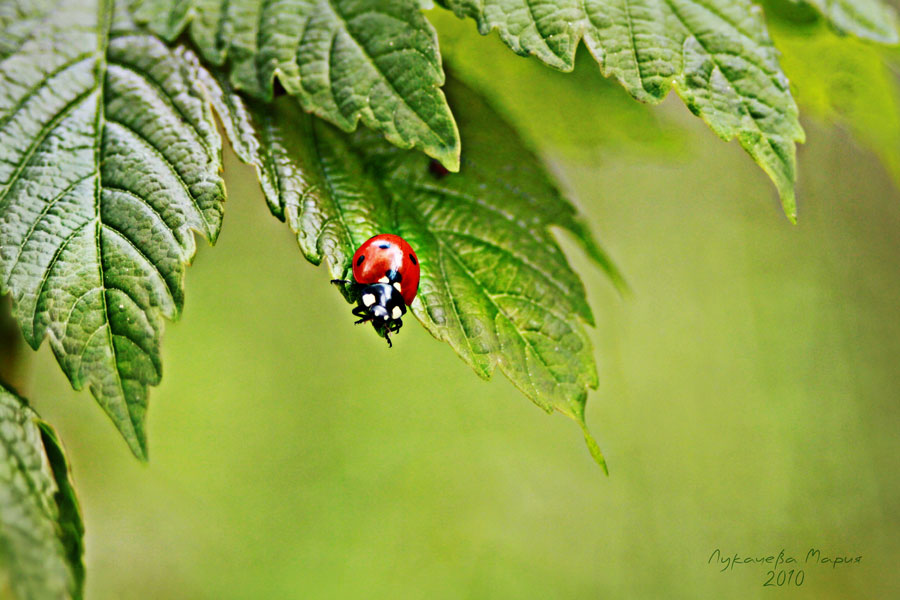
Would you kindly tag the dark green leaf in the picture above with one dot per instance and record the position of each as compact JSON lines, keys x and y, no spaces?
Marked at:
{"x":495,"y":284}
{"x":716,"y":54}
{"x":40,"y":522}
{"x":345,"y":60}
{"x":109,"y":157}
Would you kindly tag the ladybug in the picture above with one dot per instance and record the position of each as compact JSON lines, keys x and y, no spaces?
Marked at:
{"x":385,"y":282}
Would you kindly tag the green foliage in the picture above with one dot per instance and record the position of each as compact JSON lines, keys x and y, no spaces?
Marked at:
{"x":495,"y":284}
{"x":844,"y":81}
{"x":40,"y":521}
{"x":869,"y":19}
{"x":582,"y":113}
{"x":717,"y":56}
{"x":345,"y":60}
{"x":110,"y":159}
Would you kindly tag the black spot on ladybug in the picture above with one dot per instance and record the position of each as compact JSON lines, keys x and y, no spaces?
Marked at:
{"x":360,"y":260}
{"x":413,"y":259}
{"x":437,"y":169}
{"x":384,"y":246}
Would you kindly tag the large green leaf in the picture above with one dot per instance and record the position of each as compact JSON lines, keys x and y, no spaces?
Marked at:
{"x":40,"y":521}
{"x":716,"y":54}
{"x":345,"y":60}
{"x":495,"y":285}
{"x":109,"y":157}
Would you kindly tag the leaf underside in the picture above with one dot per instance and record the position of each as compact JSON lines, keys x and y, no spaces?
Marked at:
{"x":716,"y":54}
{"x":495,"y":285}
{"x":40,"y":522}
{"x":109,"y":157}
{"x":375,"y":61}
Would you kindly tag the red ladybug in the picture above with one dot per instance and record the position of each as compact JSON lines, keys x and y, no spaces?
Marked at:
{"x":386,"y":279}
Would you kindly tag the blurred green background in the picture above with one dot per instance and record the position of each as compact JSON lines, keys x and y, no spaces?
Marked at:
{"x":748,"y":398}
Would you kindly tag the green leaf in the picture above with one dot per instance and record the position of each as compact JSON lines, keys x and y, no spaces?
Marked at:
{"x":109,"y":157}
{"x":868,"y":19}
{"x":716,"y":54}
{"x":374,"y":61}
{"x":309,"y":173}
{"x":586,"y":129}
{"x":495,"y":284}
{"x":41,"y":530}
{"x":844,"y":81}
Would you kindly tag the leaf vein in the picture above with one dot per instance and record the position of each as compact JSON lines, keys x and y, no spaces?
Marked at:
{"x":50,"y":204}
{"x":174,"y":170}
{"x":144,"y":256}
{"x":163,"y":95}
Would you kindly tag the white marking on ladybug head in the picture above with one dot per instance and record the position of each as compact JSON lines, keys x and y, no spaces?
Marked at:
{"x":397,"y":286}
{"x":396,"y":313}
{"x":383,"y":280}
{"x":368,"y":299}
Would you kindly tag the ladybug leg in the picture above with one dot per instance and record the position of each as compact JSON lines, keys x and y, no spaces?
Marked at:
{"x":340,"y":281}
{"x":360,"y":311}
{"x":387,"y":336}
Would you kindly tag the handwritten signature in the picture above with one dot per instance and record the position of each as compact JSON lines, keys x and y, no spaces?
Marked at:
{"x":784,"y":569}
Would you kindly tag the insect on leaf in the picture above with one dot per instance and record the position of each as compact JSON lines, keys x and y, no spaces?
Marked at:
{"x":494,"y":283}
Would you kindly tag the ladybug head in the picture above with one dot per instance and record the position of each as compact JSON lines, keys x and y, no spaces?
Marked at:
{"x":382,"y":305}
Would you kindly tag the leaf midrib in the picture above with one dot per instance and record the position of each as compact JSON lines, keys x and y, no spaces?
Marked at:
{"x":106,"y":8}
{"x":499,"y":311}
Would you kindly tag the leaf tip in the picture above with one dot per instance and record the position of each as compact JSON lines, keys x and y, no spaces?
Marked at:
{"x":448,"y":157}
{"x":577,"y":413}
{"x":138,"y":446}
{"x":789,"y":204}
{"x":593,"y":448}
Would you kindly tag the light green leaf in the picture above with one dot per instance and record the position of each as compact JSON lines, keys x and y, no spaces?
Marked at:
{"x":495,"y":284}
{"x":869,"y":19}
{"x":41,"y":530}
{"x":374,"y":61}
{"x":716,"y":54}
{"x":109,"y":157}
